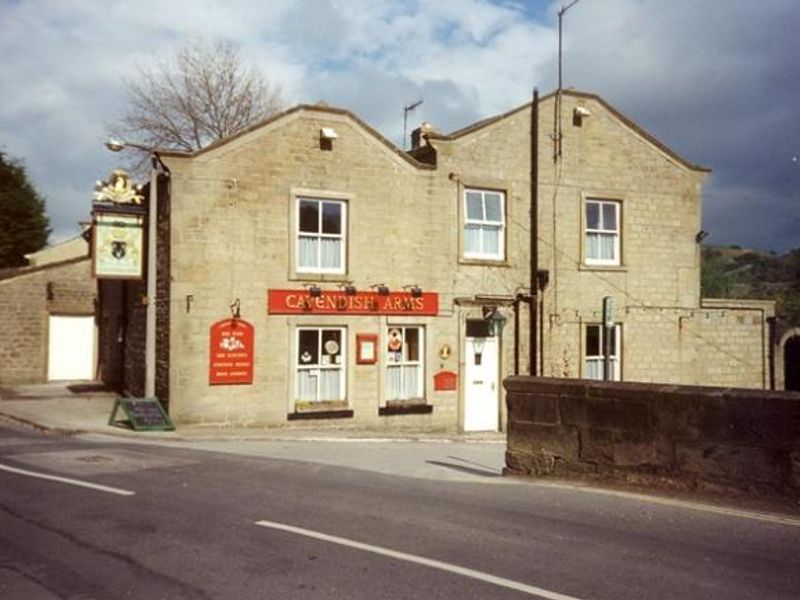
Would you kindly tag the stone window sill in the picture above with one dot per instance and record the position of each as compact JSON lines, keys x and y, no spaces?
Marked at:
{"x":483,"y":262}
{"x":607,"y":268}
{"x":405,"y":409}
{"x":320,"y":414}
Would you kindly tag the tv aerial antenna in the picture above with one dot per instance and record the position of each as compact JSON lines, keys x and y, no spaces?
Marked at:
{"x":407,"y":109}
{"x":557,"y":134}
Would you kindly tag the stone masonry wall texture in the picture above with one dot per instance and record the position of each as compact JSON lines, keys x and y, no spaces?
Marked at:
{"x":26,"y":300}
{"x":656,"y":288}
{"x":232,"y":236}
{"x":691,"y":437}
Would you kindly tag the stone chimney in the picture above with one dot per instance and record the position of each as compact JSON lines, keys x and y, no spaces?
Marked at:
{"x":418,"y":135}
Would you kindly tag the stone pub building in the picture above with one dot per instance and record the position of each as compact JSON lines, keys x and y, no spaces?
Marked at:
{"x":310,"y":270}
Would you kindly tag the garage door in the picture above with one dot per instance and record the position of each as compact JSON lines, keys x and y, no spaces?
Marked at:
{"x":71,"y":348}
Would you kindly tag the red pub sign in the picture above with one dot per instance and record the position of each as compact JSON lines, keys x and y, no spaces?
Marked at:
{"x":231,"y":352}
{"x":298,"y":302}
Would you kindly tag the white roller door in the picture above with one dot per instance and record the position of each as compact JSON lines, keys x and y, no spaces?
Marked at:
{"x":71,"y":348}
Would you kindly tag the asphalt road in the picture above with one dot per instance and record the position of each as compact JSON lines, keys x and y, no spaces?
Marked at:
{"x":175,"y":523}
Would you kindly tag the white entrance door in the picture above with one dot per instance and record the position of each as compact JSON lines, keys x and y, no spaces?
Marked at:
{"x":71,"y":348}
{"x":481,"y":401}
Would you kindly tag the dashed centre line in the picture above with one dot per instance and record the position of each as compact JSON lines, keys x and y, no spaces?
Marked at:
{"x":420,"y":560}
{"x":67,"y":480}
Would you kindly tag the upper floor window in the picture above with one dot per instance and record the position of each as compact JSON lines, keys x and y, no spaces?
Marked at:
{"x":484,"y":224}
{"x":321,"y":235}
{"x":602,"y":244}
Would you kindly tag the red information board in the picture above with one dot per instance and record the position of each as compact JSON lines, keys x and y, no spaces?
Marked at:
{"x":231,"y":352}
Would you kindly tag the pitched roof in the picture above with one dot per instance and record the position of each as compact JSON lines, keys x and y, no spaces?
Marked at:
{"x":577,"y":94}
{"x":320,"y":108}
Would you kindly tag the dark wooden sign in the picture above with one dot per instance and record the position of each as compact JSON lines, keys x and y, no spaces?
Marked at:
{"x":144,"y":414}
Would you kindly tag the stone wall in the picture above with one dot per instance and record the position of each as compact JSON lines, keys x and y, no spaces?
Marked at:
{"x":668,"y":333}
{"x":232,"y":231}
{"x":27,"y":297}
{"x":686,"y":436}
{"x":233,"y":236}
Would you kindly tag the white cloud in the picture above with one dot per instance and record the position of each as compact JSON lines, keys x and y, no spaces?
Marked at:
{"x":717,"y":80}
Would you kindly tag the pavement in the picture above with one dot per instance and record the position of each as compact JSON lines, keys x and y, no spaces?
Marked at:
{"x":82,"y":410}
{"x":75,"y":408}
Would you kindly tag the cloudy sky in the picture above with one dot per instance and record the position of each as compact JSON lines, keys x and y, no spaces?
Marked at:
{"x":716,"y":80}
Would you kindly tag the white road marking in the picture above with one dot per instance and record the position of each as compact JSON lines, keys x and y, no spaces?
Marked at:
{"x":673,"y":502}
{"x":420,"y":560}
{"x":75,"y":482}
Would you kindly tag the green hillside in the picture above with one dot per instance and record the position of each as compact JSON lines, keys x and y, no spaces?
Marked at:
{"x":734,"y":272}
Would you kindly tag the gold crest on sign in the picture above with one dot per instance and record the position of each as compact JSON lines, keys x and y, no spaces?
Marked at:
{"x":119,"y":189}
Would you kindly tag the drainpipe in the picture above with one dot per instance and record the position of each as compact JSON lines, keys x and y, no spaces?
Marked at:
{"x":516,"y":333}
{"x":534,"y":230}
{"x":771,"y":321}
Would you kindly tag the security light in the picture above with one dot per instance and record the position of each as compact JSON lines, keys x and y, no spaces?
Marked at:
{"x":328,"y":133}
{"x":582,"y":111}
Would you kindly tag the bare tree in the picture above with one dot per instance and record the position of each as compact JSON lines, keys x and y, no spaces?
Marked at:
{"x":205,"y":94}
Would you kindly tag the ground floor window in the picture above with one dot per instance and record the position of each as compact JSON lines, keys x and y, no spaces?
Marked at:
{"x":594,"y":357}
{"x":405,"y":360}
{"x":320,"y":364}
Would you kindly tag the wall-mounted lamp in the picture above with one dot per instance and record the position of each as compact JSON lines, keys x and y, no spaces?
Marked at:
{"x":349,"y":288}
{"x":314,"y":290}
{"x":578,"y":114}
{"x":495,"y":319}
{"x":326,"y":137}
{"x":701,"y":235}
{"x":582,"y":111}
{"x":381,"y":288}
{"x":328,"y":133}
{"x":416,"y":291}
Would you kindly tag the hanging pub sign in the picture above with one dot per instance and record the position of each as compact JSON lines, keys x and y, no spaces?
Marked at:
{"x":335,"y":302}
{"x":118,"y":246}
{"x":118,"y":229}
{"x":231,"y":352}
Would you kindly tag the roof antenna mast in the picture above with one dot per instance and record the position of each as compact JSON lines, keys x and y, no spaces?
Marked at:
{"x":557,"y":116}
{"x":407,"y":109}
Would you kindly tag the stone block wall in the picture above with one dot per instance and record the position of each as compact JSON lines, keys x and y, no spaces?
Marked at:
{"x":685,"y":436}
{"x":28,"y":297}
